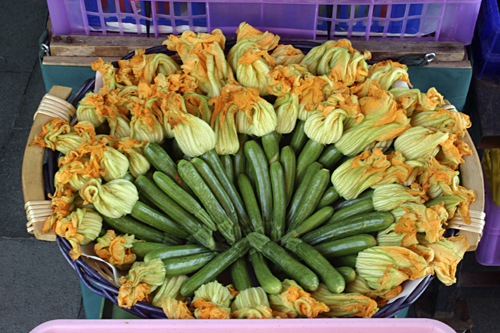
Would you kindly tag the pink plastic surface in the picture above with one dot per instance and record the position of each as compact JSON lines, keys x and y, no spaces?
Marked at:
{"x":246,"y":326}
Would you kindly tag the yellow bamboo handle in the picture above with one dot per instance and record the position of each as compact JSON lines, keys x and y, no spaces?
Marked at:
{"x":37,"y":208}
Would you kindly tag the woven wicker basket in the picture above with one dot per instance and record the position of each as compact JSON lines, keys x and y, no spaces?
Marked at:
{"x":37,"y":179}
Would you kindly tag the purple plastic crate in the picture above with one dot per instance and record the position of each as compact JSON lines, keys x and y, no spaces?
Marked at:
{"x":430,"y":20}
{"x":488,"y":250}
{"x":487,"y":42}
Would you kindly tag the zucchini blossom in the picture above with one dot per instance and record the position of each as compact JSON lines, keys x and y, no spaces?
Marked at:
{"x":387,"y":72}
{"x":359,"y":286}
{"x":197,"y":105}
{"x":326,"y":125}
{"x":415,"y":218}
{"x":80,"y":228}
{"x":144,"y":68}
{"x":113,"y":199}
{"x":58,"y":135}
{"x":345,"y":305}
{"x":385,"y":267}
{"x":175,"y":81}
{"x":224,"y":125}
{"x":171,"y":288}
{"x":169,"y":298}
{"x":251,"y":303}
{"x":412,"y":100}
{"x":294,"y":302}
{"x":250,"y":59}
{"x":340,"y":60}
{"x":420,"y":142}
{"x":445,"y":120}
{"x":203,"y":58}
{"x":145,"y":126}
{"x":448,"y":253}
{"x":87,"y":109}
{"x":114,"y":164}
{"x":284,"y":83}
{"x":389,"y":237}
{"x":194,"y":136}
{"x":133,"y":150}
{"x":287,"y":55}
{"x":388,"y":197}
{"x":212,"y":301}
{"x":117,"y":250}
{"x":140,"y":281}
{"x":62,"y":204}
{"x":384,"y":119}
{"x":444,"y":181}
{"x":368,"y":169}
{"x":452,"y":152}
{"x":122,"y":128}
{"x":108,"y":73}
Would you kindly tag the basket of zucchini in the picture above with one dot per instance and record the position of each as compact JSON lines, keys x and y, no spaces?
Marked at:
{"x":256,"y":181}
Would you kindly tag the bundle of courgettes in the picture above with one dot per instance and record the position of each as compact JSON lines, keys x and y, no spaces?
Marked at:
{"x":332,"y":196}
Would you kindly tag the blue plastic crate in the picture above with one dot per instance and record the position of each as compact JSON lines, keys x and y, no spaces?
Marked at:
{"x":486,"y":46}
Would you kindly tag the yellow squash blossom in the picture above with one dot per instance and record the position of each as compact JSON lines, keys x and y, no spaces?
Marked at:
{"x":448,"y":253}
{"x":345,"y":305}
{"x":368,"y":169}
{"x":295,"y":302}
{"x":359,"y":286}
{"x":387,"y":72}
{"x":385,"y":267}
{"x":251,"y":303}
{"x":287,"y":55}
{"x":117,"y":250}
{"x":140,"y":281}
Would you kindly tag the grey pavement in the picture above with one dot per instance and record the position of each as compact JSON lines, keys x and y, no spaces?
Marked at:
{"x":36,"y":283}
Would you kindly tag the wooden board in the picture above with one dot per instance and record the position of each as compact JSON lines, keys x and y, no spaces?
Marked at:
{"x":87,"y":61}
{"x":119,"y":46}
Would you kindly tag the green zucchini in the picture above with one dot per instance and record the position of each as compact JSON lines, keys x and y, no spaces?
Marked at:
{"x":187,"y":221}
{"x":128,"y":225}
{"x":184,"y":199}
{"x":288,"y":162}
{"x":192,"y":177}
{"x":306,"y":278}
{"x":162,"y":161}
{"x":186,"y":264}
{"x":301,"y":191}
{"x":239,"y":274}
{"x":271,"y":145}
{"x":267,"y":280}
{"x":251,"y":204}
{"x":326,"y":272}
{"x":140,"y":249}
{"x":210,"y":271}
{"x":213,"y":160}
{"x":311,"y":223}
{"x":340,"y":204}
{"x":349,"y":261}
{"x":328,"y":198}
{"x":346,"y":246}
{"x":154,"y":218}
{"x":312,"y":196}
{"x":279,"y":201}
{"x":215,"y":185}
{"x":360,"y":224}
{"x":227,"y":163}
{"x":312,"y":150}
{"x":299,"y":137}
{"x":258,"y":162}
{"x":330,"y":156}
{"x":239,"y":160}
{"x":348,"y":273}
{"x":361,"y":207}
{"x":176,"y":251}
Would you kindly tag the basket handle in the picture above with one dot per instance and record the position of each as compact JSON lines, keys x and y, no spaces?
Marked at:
{"x":38,"y":209}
